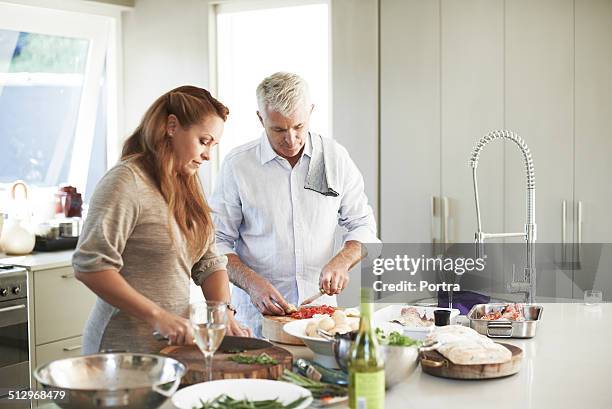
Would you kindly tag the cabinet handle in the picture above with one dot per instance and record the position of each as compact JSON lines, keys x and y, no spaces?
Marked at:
{"x":70,"y":275}
{"x":563,"y":220}
{"x":579,"y":222}
{"x":445,"y":213}
{"x":433,"y":221}
{"x":72,"y":348}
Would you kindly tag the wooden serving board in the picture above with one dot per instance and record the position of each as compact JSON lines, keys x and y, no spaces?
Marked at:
{"x":223,"y":368}
{"x":434,"y":363}
{"x":272,"y":329}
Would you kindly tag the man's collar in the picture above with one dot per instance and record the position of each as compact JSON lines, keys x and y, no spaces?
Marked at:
{"x":268,"y":153}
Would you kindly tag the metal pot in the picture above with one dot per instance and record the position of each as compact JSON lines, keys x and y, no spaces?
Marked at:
{"x":400,"y":361}
{"x":112,"y":380}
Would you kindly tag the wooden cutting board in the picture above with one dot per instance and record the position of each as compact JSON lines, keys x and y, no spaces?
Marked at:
{"x":223,"y":368}
{"x":272,"y":329}
{"x":434,"y":363}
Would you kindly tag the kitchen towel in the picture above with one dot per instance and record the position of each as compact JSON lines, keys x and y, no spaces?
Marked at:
{"x":322,"y":174}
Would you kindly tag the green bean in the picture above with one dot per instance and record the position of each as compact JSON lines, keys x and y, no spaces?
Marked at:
{"x":227,"y":402}
{"x":318,"y":389}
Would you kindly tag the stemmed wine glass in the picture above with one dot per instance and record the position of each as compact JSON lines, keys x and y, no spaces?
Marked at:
{"x":209,"y":321}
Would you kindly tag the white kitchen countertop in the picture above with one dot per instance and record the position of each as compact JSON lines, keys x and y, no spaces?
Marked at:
{"x":40,"y":260}
{"x":566,"y":366}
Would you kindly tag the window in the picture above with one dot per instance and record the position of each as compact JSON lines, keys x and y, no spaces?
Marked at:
{"x":254,"y":43}
{"x":53,"y":96}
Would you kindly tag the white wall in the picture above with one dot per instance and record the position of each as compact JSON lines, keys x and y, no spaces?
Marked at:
{"x":355,"y":86}
{"x":164,"y":46}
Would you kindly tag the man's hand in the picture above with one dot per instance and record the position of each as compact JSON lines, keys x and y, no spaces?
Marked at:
{"x":334,"y":278}
{"x":266,"y":297}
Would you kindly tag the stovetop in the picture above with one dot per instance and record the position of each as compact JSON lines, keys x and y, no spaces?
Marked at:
{"x":13,"y":282}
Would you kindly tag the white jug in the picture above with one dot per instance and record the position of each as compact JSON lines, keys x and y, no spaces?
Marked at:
{"x":17,"y":237}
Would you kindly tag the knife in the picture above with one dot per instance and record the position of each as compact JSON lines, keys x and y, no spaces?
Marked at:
{"x":312,"y":297}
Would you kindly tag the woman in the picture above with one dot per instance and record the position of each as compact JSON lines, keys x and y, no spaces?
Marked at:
{"x":149,"y":229}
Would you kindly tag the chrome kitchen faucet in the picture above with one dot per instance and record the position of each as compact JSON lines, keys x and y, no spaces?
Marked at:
{"x":528,"y":284}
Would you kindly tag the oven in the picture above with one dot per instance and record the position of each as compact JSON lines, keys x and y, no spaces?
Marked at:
{"x":14,"y":342}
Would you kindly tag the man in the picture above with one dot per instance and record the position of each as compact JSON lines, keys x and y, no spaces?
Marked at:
{"x":277,"y":204}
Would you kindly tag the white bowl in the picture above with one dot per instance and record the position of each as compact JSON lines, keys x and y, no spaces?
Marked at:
{"x":253,"y":389}
{"x":322,"y":349}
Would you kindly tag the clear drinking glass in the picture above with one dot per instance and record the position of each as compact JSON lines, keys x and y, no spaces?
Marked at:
{"x":592,"y":297}
{"x":209,"y":321}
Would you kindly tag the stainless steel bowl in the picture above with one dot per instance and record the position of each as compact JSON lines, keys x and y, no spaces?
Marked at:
{"x":400,"y":361}
{"x":112,"y":380}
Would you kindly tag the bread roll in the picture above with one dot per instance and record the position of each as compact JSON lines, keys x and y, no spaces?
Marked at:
{"x":311,"y":329}
{"x":327,"y":323}
{"x":339,"y":317}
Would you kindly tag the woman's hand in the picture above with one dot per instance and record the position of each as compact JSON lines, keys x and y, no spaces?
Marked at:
{"x":176,"y":329}
{"x":234,"y":327}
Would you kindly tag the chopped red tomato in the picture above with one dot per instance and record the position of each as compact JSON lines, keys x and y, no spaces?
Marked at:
{"x":309,"y":312}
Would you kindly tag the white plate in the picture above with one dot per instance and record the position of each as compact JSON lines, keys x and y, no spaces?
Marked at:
{"x":253,"y":389}
{"x":383,"y":317}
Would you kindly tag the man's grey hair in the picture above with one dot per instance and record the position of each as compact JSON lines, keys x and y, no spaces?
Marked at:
{"x":282,"y":92}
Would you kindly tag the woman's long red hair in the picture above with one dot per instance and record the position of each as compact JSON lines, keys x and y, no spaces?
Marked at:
{"x":151,"y":146}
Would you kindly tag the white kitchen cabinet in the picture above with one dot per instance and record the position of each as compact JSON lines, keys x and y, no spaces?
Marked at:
{"x":593,"y":128}
{"x":441,"y":90}
{"x":66,"y":348}
{"x":539,"y":107}
{"x":61,"y":304}
{"x":450,"y":72}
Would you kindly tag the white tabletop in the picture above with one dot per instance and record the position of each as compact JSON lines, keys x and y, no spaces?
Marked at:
{"x":566,"y":366}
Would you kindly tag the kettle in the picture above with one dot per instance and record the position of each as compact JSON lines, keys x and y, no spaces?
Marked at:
{"x":17,"y":237}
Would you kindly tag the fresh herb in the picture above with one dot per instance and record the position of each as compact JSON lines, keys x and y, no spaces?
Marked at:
{"x":395,"y":339}
{"x":227,"y":402}
{"x":319,"y":390}
{"x":262,"y":359}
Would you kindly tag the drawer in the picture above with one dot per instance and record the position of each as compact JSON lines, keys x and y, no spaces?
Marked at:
{"x":61,"y":305}
{"x":66,"y":348}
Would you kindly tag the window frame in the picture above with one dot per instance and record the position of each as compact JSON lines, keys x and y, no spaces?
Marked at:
{"x":102,"y":29}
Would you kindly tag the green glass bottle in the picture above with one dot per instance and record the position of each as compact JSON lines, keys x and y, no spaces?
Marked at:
{"x":366,"y":367}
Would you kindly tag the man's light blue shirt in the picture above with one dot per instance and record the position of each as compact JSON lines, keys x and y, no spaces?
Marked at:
{"x":282,"y":231}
